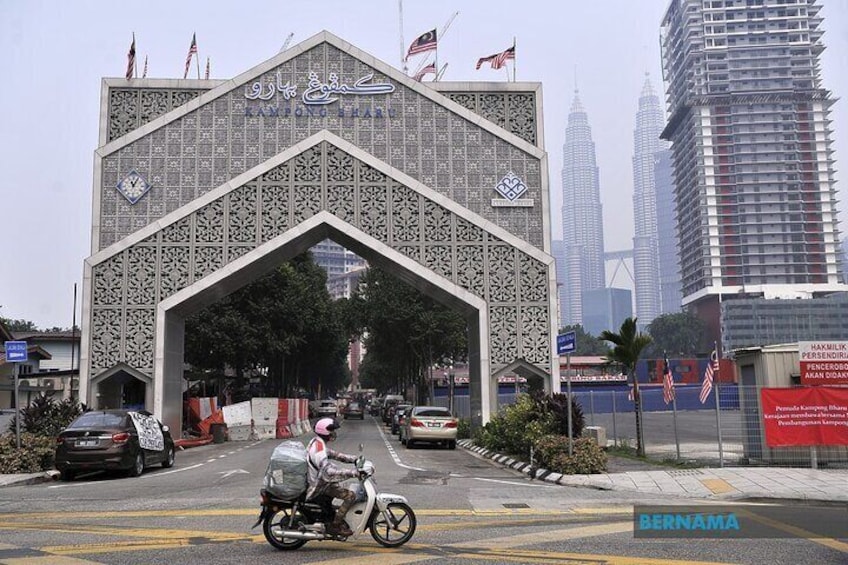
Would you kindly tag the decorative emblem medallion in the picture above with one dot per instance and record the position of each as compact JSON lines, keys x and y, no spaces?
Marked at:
{"x":133,"y":187}
{"x":511,"y":187}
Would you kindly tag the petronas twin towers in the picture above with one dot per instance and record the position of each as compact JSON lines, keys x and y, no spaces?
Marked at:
{"x":581,"y":266}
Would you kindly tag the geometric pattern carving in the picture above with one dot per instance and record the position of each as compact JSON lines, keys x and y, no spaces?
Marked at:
{"x":322,"y":178}
{"x":195,"y":153}
{"x":515,"y":112}
{"x":131,"y":108}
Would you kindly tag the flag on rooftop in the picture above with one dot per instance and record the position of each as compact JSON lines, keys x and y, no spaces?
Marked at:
{"x":498,"y":60}
{"x":192,"y":50}
{"x":131,"y":60}
{"x":425,"y":42}
{"x":431,"y":68}
{"x":144,"y":72}
{"x":668,"y":382}
{"x":707,"y":384}
{"x":207,"y":69}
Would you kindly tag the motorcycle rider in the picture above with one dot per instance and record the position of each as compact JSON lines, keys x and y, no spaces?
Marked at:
{"x":325,"y":477}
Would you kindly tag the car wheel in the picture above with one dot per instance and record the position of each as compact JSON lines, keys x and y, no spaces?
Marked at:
{"x":138,"y":465}
{"x":452,"y":444}
{"x":169,"y":458}
{"x":66,"y":475}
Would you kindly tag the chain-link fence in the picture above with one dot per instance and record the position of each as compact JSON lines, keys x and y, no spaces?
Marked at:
{"x":688,"y":430}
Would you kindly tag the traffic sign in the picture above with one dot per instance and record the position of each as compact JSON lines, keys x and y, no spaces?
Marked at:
{"x":566,"y":343}
{"x":16,"y":351}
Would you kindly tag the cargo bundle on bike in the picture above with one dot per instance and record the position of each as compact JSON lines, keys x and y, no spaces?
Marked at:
{"x":285,"y":476}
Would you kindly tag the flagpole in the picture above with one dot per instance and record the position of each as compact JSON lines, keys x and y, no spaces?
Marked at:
{"x":717,"y":407}
{"x":436,"y":55}
{"x":197,"y":61}
{"x":402,"y":46}
{"x":514,"y":59}
{"x":673,"y":406}
{"x":135,"y":68}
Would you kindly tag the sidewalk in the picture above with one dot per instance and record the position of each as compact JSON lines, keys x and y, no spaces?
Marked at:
{"x":729,"y":483}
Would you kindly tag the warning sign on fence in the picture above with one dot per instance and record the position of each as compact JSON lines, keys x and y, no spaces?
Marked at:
{"x":823,"y":362}
{"x":805,"y":416}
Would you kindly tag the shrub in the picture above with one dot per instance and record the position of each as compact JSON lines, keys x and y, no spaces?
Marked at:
{"x":588,"y":458}
{"x":46,"y":417}
{"x":557,"y":406}
{"x":35,"y":455}
{"x":463,"y":428}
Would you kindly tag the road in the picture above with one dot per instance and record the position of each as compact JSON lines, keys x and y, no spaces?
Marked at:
{"x":469,"y":511}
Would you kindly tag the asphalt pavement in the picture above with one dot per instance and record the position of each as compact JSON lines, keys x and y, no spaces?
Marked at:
{"x":720,"y":484}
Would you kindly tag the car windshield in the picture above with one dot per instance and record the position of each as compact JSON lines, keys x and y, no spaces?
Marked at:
{"x":353,"y":406}
{"x":440,"y":412}
{"x":98,"y":420}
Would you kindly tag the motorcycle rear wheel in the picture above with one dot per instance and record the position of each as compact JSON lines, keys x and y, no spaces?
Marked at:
{"x":385,"y":534}
{"x":279,"y":520}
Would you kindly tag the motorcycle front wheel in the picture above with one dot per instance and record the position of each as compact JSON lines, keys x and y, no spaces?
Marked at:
{"x":397,"y":530}
{"x":277,"y":521}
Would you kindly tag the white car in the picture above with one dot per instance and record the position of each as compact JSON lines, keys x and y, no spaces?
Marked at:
{"x":327,"y":408}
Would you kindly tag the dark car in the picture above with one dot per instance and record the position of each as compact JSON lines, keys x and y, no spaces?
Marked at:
{"x":119,"y":440}
{"x":397,"y":416}
{"x":354,"y":410}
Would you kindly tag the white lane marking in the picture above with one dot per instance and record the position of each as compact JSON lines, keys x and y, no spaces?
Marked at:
{"x":393,"y":453}
{"x":223,"y":456}
{"x":211,"y":460}
{"x":512,"y":483}
{"x":180,"y":470}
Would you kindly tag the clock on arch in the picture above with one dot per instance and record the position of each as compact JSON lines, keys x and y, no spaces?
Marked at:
{"x":133,"y":186}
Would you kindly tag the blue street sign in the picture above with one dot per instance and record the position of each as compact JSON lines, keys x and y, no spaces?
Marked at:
{"x":566,"y":343}
{"x":16,"y":351}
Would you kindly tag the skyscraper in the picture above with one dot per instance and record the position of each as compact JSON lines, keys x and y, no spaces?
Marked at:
{"x":646,"y":146}
{"x":670,"y":297}
{"x":748,"y":117}
{"x":582,"y":217}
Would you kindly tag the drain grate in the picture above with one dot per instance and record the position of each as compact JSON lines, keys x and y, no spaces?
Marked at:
{"x":515,"y":505}
{"x":679,"y":472}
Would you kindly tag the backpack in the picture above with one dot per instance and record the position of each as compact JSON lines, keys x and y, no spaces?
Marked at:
{"x":286,"y":475}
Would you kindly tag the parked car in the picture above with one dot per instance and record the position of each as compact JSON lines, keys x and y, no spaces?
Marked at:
{"x":389,"y":402}
{"x":429,"y":424}
{"x":327,"y":408}
{"x":109,"y":440}
{"x":354,"y":410}
{"x":397,"y":416}
{"x":374,"y":406}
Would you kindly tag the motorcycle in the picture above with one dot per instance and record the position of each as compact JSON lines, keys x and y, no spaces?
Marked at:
{"x":289,"y":524}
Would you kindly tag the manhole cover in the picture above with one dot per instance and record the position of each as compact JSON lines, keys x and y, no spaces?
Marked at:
{"x":515,"y":505}
{"x":425,"y":478}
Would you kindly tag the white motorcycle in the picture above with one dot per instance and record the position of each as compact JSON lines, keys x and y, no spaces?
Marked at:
{"x":288,"y":525}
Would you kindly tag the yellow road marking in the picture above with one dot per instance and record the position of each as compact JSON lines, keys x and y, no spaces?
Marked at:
{"x":717,"y":486}
{"x":798,"y":532}
{"x":46,"y":560}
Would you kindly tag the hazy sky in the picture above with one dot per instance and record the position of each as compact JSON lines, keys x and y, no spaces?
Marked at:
{"x":53,"y":55}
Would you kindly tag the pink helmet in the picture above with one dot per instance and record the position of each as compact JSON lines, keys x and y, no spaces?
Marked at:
{"x":325,"y":427}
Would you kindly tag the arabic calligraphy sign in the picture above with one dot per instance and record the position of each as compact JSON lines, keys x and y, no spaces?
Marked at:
{"x":317,"y":93}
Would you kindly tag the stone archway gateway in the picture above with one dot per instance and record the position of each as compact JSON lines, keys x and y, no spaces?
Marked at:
{"x":201,"y":187}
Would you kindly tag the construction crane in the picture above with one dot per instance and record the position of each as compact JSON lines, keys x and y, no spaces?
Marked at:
{"x":286,"y":42}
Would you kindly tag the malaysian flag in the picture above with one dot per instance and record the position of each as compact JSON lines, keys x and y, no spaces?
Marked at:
{"x":431,"y":68}
{"x":144,"y":73}
{"x":668,"y":382}
{"x":131,"y":60}
{"x":498,"y":60}
{"x":707,"y":385}
{"x":192,"y":50}
{"x":426,"y":42}
{"x":207,"y":69}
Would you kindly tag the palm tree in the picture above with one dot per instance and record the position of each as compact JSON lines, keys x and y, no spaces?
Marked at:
{"x":628,"y":344}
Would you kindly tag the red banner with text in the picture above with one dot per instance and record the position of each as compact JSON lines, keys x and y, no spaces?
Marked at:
{"x":805,"y":416}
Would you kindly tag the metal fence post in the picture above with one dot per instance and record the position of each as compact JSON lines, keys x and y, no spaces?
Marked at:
{"x":718,"y":426}
{"x":614,"y":432}
{"x":592,"y":407}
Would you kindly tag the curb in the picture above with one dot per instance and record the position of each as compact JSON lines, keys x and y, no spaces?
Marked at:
{"x":587,"y":481}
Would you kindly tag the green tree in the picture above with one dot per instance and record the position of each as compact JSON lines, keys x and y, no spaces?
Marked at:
{"x":587,"y":344}
{"x":680,"y":334}
{"x":19,"y":325}
{"x":628,"y":345}
{"x":405,"y":332}
{"x":283,"y":323}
